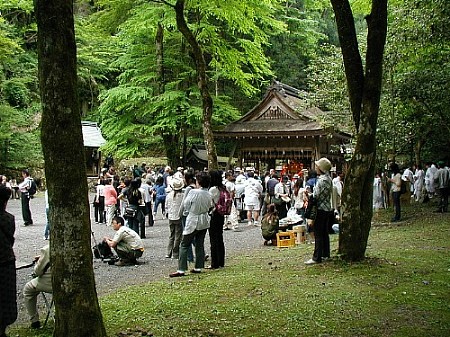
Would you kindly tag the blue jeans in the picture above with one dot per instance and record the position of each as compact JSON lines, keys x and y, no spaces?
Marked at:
{"x":190,"y":254}
{"x":162,"y":201}
{"x":186,"y":242}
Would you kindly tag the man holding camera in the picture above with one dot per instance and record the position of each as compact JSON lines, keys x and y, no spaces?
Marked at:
{"x":126,"y":242}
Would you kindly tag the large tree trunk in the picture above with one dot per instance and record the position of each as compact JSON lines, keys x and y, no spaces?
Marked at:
{"x":172,"y":147}
{"x":202,"y":83}
{"x":364,"y":92}
{"x":171,"y":141}
{"x":77,"y":312}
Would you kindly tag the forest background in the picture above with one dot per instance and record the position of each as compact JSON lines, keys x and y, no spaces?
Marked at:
{"x":137,"y":78}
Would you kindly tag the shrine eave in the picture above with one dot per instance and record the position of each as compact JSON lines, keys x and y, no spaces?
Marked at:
{"x":280,"y":134}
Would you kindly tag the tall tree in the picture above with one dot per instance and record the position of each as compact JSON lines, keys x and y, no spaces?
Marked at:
{"x":77,"y":309}
{"x":202,"y":79}
{"x":231,"y":35}
{"x":364,"y":90}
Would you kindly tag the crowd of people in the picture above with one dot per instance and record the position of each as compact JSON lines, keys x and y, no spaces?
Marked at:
{"x":420,"y":184}
{"x":189,"y":201}
{"x":193,"y":203}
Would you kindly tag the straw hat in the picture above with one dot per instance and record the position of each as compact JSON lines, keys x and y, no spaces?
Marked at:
{"x":177,"y":184}
{"x":323,"y":164}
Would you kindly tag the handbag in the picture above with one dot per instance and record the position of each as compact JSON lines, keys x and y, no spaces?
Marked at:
{"x":311,"y":209}
{"x":130,"y":212}
{"x":277,"y":201}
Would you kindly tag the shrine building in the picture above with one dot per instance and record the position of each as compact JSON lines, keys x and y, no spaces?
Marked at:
{"x":282,"y":132}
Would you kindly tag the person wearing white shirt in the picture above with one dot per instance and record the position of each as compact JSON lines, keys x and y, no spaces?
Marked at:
{"x":419,"y":177}
{"x":282,"y":191}
{"x":231,"y":219}
{"x":126,"y":242}
{"x":42,"y":282}
{"x":408,"y":176}
{"x":395,"y":189}
{"x":24,"y":186}
{"x":253,"y":190}
{"x":198,"y":204}
{"x":429,"y":179}
{"x":338,"y":186}
{"x":173,"y":202}
{"x":147,"y":196}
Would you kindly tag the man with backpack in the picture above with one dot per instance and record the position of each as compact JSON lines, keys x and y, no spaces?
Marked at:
{"x":27,"y":189}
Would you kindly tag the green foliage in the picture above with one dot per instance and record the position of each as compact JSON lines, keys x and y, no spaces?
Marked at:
{"x":246,"y":45}
{"x":95,"y":57}
{"x":8,"y":45}
{"x":418,"y":77}
{"x":25,"y":6}
{"x":234,"y":34}
{"x":19,"y":138}
{"x":135,"y":110}
{"x":327,"y":88}
{"x":292,"y":50}
{"x":15,"y":92}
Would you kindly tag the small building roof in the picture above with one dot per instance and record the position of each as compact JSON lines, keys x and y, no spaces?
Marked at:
{"x":92,"y":135}
{"x":198,"y":155}
{"x":281,"y":112}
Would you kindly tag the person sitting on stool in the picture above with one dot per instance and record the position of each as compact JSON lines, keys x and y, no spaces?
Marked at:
{"x":126,"y":242}
{"x":42,"y":282}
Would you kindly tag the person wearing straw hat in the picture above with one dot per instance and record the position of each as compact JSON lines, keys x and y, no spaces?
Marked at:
{"x":322,"y":194}
{"x":174,"y":200}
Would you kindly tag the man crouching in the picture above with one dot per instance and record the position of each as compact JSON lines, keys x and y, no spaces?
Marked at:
{"x":126,"y":242}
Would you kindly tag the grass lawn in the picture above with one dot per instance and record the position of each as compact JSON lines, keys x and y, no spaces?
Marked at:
{"x":401,"y":289}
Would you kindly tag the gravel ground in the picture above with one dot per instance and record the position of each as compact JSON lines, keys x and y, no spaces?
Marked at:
{"x":30,"y":239}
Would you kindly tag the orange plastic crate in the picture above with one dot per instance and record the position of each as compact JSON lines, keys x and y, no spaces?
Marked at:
{"x":285,"y":239}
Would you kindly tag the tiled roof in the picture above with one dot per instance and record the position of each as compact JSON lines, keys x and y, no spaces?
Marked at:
{"x":92,"y":135}
{"x":281,"y":111}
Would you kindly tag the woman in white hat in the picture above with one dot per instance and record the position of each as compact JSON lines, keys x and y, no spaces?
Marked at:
{"x":173,"y":202}
{"x":322,"y":194}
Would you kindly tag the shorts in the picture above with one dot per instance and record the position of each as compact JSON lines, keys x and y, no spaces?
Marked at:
{"x":252,"y":204}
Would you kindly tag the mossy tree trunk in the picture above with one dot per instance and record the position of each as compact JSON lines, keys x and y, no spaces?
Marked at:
{"x":200,"y":64}
{"x":364,"y":90}
{"x":171,"y":140}
{"x":77,"y":312}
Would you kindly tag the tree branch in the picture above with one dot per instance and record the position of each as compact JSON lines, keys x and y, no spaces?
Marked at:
{"x":164,"y":2}
{"x":352,"y":59}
